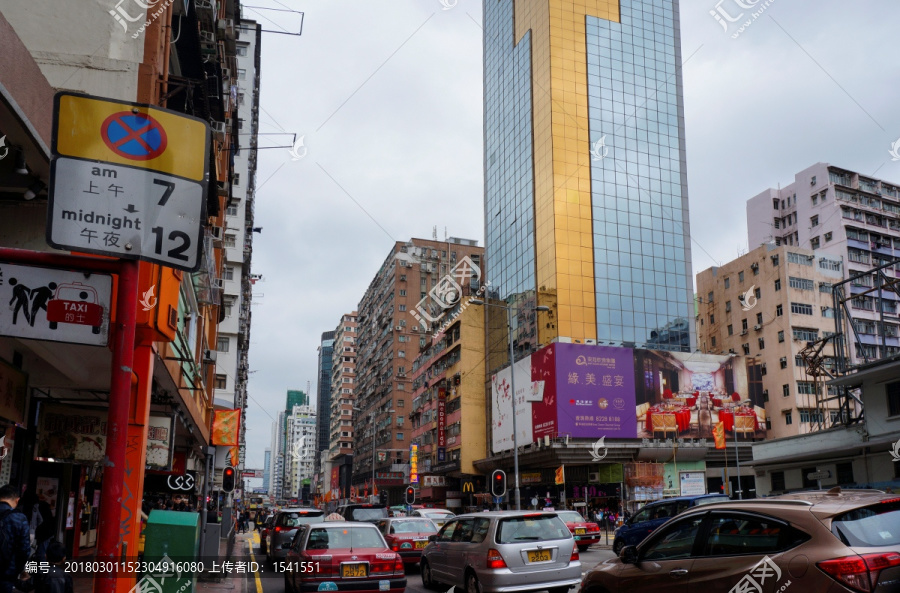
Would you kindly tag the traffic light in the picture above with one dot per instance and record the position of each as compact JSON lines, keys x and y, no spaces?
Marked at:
{"x":498,"y":483}
{"x":228,"y":479}
{"x":410,"y":495}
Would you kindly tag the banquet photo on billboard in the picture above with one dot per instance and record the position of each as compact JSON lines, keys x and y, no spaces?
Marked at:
{"x":681,"y":395}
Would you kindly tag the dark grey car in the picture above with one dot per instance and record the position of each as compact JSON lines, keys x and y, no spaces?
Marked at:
{"x":503,"y":552}
{"x":285,"y":525}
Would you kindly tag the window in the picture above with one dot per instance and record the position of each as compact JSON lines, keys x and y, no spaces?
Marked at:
{"x":807,"y":483}
{"x":806,"y":388}
{"x":775,"y":203}
{"x":713,"y":341}
{"x":400,"y":403}
{"x":788,"y":419}
{"x":744,"y":324}
{"x":801,"y":309}
{"x":236,"y":179}
{"x":675,"y":541}
{"x":777,"y":481}
{"x":779,"y":311}
{"x":746,"y":348}
{"x":777,"y":284}
{"x":730,"y":330}
{"x":241,"y":50}
{"x":228,"y":303}
{"x":399,"y":436}
{"x":242,"y":74}
{"x":741,"y":277}
{"x":231,"y":210}
{"x":230,"y":241}
{"x":712,"y":318}
{"x":803,"y":334}
{"x":727,"y":282}
{"x":801,"y":283}
{"x":781,"y":336}
{"x":759,"y":319}
{"x":814,"y":243}
{"x":828,"y":236}
{"x":783,"y":362}
{"x":892,"y":390}
{"x":709,"y":297}
{"x":785,"y":390}
{"x":401,"y":308}
{"x":762,"y":344}
{"x":401,"y":353}
{"x":799,"y":258}
{"x":240,"y":98}
{"x":222,"y":344}
{"x":731,"y":534}
{"x":814,"y":220}
{"x":728,"y":306}
{"x":775,"y":260}
{"x":844,"y":472}
{"x":815,"y":199}
{"x":221,"y":382}
{"x":228,"y":272}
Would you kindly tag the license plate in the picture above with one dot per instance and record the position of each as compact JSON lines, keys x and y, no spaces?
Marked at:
{"x":579,"y":531}
{"x":539,"y":556}
{"x":420,"y":545}
{"x":353,"y":570}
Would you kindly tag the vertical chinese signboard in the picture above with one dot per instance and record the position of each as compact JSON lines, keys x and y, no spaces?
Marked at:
{"x":414,"y":464}
{"x":441,"y":424}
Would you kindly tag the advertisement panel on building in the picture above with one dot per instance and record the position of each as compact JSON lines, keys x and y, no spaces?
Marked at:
{"x":159,"y":442}
{"x":602,"y":391}
{"x":71,"y":435}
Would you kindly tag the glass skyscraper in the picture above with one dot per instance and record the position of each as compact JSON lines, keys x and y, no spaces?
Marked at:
{"x":586,"y":207}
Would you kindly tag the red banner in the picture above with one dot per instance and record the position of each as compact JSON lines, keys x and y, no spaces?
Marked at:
{"x":335,"y":478}
{"x":441,"y":417}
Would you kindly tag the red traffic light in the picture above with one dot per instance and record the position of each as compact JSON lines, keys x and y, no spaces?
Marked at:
{"x":410,"y":495}
{"x":228,"y":479}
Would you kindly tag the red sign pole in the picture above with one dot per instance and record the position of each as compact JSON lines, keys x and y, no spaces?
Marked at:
{"x":109,"y":536}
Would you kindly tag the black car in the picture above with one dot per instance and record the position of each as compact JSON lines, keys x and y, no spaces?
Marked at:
{"x":363,"y":512}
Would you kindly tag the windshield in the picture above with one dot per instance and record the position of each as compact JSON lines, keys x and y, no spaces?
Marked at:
{"x":437,"y":514}
{"x":571,"y":517}
{"x":531,"y":529}
{"x":413,"y":526}
{"x":342,"y":538}
{"x":299,"y":518}
{"x":877,"y":525}
{"x":370,"y":514}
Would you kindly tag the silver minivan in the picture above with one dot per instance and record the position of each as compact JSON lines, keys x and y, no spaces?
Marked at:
{"x":503,"y":552}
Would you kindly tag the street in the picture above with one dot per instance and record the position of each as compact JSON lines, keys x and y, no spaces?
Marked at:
{"x":247,"y":549}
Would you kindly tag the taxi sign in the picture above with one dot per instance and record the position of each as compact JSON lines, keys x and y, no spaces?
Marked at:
{"x":128,"y":180}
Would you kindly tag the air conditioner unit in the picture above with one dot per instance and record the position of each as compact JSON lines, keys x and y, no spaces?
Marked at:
{"x":229,"y":122}
{"x":217,"y":283}
{"x":754,"y":266}
{"x":209,"y":356}
{"x":594,"y":477}
{"x":216,"y":232}
{"x":757,"y":327}
{"x":226,"y":73}
{"x":765,"y":393}
{"x":219,"y":128}
{"x":207,"y":37}
{"x":398,"y":328}
{"x":744,"y":333}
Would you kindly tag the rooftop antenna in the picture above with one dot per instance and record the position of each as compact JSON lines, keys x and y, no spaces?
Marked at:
{"x":446,"y":237}
{"x":434,"y":233}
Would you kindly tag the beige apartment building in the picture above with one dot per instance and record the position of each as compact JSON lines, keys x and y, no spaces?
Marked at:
{"x":415,"y":284}
{"x":769,"y":304}
{"x":339,"y":464}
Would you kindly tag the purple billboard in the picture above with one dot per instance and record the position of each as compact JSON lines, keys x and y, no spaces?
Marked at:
{"x":595,"y":391}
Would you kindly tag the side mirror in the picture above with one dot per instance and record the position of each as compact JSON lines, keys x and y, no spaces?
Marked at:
{"x":432,"y":538}
{"x":629,"y":555}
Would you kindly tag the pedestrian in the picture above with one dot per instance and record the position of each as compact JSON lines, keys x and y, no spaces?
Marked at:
{"x":42,"y":524}
{"x":15,"y":540}
{"x":56,"y":579}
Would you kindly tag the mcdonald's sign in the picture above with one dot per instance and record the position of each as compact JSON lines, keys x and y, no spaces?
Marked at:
{"x":468,"y":487}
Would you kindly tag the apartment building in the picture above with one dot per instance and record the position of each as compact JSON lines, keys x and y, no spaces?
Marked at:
{"x":768,"y":305}
{"x":342,"y":382}
{"x":448,"y":406}
{"x":323,"y":397}
{"x":412,"y":286}
{"x":846,"y":216}
{"x":300,"y":452}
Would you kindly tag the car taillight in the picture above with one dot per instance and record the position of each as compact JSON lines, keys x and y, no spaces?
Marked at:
{"x":495,"y":560}
{"x":575,"y":555}
{"x":281,"y":528}
{"x":398,"y":566}
{"x":859,"y":572}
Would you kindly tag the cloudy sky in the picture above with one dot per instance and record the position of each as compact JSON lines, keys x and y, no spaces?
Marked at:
{"x":387,"y":97}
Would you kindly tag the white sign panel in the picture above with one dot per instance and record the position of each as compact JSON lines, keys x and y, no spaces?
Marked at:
{"x":160,"y":442}
{"x":693,"y":483}
{"x":55,"y":305}
{"x":125,"y":212}
{"x":501,"y":401}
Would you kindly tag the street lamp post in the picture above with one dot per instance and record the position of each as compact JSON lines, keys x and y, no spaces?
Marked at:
{"x":512,"y":385}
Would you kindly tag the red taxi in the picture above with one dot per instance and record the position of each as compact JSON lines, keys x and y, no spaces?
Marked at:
{"x":341,"y":556}
{"x":407,"y":536}
{"x":585,"y":532}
